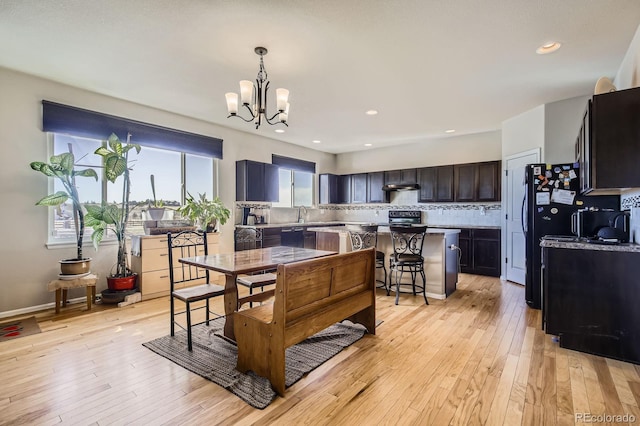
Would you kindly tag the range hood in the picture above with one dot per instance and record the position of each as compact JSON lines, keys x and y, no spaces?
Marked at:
{"x":401,"y":187}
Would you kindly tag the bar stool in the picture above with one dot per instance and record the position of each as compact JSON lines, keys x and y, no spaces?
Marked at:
{"x":366,"y":236}
{"x":407,"y":257}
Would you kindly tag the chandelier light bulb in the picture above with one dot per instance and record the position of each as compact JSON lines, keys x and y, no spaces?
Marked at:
{"x":246,"y":92}
{"x":232,"y":103}
{"x":282,"y":96}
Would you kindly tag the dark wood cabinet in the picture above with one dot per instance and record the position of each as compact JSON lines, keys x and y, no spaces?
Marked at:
{"x":344,"y":189}
{"x":477,"y":181}
{"x":610,"y":142}
{"x":256,"y":181}
{"x":400,"y":176}
{"x":359,"y":188}
{"x":271,"y":237}
{"x":328,"y":188}
{"x":590,"y":301}
{"x":375,"y":194}
{"x":436,"y":184}
{"x":309,"y":239}
{"x":480,"y":251}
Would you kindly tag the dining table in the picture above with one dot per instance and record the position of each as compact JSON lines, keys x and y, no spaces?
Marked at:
{"x":245,"y":262}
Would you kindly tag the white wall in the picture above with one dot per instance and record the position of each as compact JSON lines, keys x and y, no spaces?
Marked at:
{"x":447,"y":150}
{"x":26,"y":264}
{"x":523,"y":132}
{"x":562,"y":122}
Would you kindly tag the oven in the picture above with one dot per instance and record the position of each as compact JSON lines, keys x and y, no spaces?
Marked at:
{"x":405,"y":217}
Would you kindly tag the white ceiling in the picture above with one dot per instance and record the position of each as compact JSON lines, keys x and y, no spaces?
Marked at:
{"x":425,"y":65}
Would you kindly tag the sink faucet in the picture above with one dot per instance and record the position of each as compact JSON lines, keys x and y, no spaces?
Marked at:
{"x":300,"y":210}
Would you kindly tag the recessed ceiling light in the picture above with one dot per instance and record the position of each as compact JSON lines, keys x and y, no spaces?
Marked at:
{"x":548,"y":48}
{"x":368,"y":144}
{"x":279,"y":130}
{"x":372,"y":112}
{"x":450,"y":131}
{"x":316,"y":141}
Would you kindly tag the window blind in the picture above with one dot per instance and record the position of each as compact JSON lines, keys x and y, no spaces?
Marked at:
{"x":293,"y":164}
{"x":59,"y":118}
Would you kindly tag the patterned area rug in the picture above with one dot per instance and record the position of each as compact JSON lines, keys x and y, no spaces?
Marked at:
{"x":18,"y":328}
{"x":214,"y":358}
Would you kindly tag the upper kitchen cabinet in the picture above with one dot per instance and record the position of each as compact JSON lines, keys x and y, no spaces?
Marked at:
{"x":404,"y":176}
{"x":375,"y":194}
{"x":608,"y":144}
{"x":344,"y":189}
{"x":256,"y":181}
{"x":359,"y":188}
{"x":328,"y":188}
{"x":477,"y":181}
{"x":436,"y":184}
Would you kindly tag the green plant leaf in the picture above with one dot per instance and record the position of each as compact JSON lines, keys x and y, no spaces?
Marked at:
{"x":86,"y":173}
{"x":53,"y":199}
{"x":114,"y":166}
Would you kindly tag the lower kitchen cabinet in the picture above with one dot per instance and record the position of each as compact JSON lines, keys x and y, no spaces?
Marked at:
{"x":151,"y":264}
{"x":590,"y":300}
{"x":480,"y":251}
{"x":271,"y":237}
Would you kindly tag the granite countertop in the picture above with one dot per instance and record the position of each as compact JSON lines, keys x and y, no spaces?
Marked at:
{"x":580,"y":245}
{"x":381,"y":230}
{"x":338,"y":223}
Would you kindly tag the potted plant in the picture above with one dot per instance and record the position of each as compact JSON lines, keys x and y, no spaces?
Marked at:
{"x":62,"y":167}
{"x":206,"y":213}
{"x":111,"y":216}
{"x":155,"y":209}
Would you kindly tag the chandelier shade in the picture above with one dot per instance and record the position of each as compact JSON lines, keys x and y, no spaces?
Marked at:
{"x":253,"y":97}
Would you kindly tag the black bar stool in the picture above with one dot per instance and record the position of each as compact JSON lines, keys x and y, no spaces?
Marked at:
{"x":366,"y":236}
{"x":407,"y":257}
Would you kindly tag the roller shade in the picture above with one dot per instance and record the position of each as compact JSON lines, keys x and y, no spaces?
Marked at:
{"x":293,"y":164}
{"x":58,"y":118}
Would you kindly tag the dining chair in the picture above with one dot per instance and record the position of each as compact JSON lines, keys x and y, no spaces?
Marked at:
{"x":366,"y":236}
{"x":407,"y":257}
{"x":184,"y":279}
{"x":260,"y":280}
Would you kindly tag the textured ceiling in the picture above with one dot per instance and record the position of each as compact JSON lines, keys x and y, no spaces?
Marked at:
{"x":425,"y":65}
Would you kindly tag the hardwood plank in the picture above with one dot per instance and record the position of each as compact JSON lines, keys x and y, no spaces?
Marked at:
{"x":478,"y":357}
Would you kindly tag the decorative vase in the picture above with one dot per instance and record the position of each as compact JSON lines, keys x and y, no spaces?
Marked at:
{"x":122,"y":283}
{"x":75,"y":266}
{"x":155,"y":213}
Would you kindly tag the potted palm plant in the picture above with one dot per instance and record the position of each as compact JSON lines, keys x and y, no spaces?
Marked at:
{"x":206,"y":213}
{"x":111,"y":216}
{"x":62,"y":167}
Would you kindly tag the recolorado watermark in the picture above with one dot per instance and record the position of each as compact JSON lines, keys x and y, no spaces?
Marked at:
{"x":604,"y":418}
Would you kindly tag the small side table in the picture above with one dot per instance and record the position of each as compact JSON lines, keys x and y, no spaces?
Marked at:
{"x":61,"y":287}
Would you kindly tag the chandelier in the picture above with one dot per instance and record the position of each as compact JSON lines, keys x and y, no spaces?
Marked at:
{"x":254,"y":98}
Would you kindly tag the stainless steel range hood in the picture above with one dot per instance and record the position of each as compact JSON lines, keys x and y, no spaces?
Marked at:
{"x":401,"y":187}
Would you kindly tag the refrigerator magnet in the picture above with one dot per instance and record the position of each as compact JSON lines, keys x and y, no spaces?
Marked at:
{"x":554,"y":210}
{"x":537,"y":170}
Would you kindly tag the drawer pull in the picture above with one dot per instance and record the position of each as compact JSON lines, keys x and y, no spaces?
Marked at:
{"x":164,"y":276}
{"x":164,"y":254}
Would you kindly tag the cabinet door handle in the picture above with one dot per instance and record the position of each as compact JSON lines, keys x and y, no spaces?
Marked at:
{"x":164,"y":254}
{"x":164,"y":276}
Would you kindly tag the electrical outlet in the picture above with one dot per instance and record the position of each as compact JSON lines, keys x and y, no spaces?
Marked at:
{"x":440,"y":211}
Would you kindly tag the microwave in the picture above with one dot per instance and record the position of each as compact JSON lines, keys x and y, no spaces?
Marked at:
{"x":601,"y":224}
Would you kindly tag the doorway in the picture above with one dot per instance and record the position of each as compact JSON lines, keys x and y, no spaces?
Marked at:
{"x":514,"y":220}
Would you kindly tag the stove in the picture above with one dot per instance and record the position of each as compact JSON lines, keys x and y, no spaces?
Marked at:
{"x":405,"y":217}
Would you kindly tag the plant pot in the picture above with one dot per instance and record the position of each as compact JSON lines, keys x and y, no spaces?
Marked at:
{"x":75,"y":266}
{"x":122,"y":283}
{"x":155,"y":213}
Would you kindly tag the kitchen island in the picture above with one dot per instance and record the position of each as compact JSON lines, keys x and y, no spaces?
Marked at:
{"x":440,"y":261}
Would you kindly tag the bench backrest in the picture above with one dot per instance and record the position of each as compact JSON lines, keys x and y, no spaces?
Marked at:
{"x":311,"y":287}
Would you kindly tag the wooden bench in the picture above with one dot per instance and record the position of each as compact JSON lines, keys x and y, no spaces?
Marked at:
{"x":309,"y":297}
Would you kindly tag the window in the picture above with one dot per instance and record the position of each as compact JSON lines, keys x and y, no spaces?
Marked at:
{"x":296,"y":188}
{"x":172,"y":171}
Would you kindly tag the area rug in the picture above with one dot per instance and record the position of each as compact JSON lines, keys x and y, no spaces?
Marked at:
{"x":18,"y":328}
{"x":214,"y":358}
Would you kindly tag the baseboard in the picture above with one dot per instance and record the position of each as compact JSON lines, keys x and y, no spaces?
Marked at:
{"x":38,"y":308}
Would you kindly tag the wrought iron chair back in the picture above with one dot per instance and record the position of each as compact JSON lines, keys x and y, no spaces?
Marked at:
{"x":364,"y":237}
{"x":408,"y":242}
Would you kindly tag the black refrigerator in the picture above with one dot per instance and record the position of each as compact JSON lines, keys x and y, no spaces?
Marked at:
{"x":552,"y":194}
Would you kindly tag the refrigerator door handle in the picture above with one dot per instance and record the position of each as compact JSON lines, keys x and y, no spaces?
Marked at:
{"x":523,"y":212}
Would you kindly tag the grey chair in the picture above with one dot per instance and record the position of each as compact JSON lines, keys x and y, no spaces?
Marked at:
{"x":366,"y":236}
{"x":189,"y":244}
{"x":407,"y":257}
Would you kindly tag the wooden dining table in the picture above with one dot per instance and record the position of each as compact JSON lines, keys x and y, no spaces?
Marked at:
{"x":244,"y":262}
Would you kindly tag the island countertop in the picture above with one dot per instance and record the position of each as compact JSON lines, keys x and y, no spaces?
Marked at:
{"x":381,"y":230}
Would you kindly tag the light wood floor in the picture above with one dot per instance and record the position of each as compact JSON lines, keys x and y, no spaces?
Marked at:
{"x":477,"y":358}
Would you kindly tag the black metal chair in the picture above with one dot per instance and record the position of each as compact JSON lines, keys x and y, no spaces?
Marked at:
{"x":189,"y":244}
{"x":259,"y":280}
{"x":366,"y":236}
{"x":407,"y":257}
